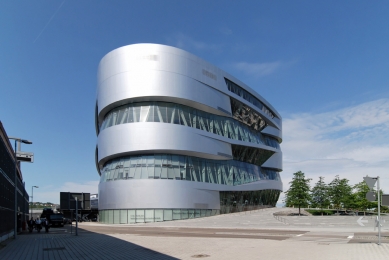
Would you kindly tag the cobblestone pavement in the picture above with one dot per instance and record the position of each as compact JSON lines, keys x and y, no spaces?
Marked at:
{"x":87,"y":245}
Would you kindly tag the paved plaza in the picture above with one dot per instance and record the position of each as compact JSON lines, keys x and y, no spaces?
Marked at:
{"x":251,"y":235}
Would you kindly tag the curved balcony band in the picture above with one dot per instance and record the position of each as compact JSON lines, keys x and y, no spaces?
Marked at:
{"x":183,"y":115}
{"x":151,"y":137}
{"x":178,"y":167}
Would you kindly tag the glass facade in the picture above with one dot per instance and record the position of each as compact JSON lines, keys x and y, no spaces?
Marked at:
{"x":132,"y":216}
{"x":230,"y":202}
{"x":180,"y":167}
{"x":234,"y":88}
{"x":237,"y":201}
{"x":250,"y":155}
{"x":246,"y":115}
{"x":172,"y":113}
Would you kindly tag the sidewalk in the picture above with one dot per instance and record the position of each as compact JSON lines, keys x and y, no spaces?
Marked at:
{"x":87,"y":245}
{"x":325,"y":238}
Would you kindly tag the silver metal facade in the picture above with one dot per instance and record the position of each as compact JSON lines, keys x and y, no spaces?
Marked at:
{"x":153,"y":72}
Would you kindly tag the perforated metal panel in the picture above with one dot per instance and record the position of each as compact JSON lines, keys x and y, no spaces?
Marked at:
{"x":385,"y":200}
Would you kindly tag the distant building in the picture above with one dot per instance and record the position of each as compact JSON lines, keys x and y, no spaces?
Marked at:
{"x":7,"y":188}
{"x":179,"y":138}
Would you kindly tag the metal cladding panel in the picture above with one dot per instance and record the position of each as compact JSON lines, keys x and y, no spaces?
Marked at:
{"x":156,"y":138}
{"x":272,"y":131}
{"x":146,"y":84}
{"x":139,"y":194}
{"x":157,"y":57}
{"x":169,"y":194}
{"x":274,"y":162}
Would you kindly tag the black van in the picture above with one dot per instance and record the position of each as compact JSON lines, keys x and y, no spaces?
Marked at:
{"x":56,"y":220}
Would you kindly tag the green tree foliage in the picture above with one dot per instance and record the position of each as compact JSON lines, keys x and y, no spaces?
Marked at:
{"x":340,"y":193}
{"x":359,"y":197}
{"x":319,"y":195}
{"x":298,"y":192}
{"x":337,"y":193}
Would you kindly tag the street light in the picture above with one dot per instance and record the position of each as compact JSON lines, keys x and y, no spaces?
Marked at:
{"x":32,"y":198}
{"x":17,"y":140}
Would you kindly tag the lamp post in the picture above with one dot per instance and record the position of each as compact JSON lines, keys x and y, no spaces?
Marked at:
{"x":17,"y":140}
{"x":32,"y":198}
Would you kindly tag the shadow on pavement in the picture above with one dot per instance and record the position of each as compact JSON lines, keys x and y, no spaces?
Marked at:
{"x":64,"y":245}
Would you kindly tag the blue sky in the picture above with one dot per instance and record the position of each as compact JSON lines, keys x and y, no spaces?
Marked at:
{"x":322,"y":64}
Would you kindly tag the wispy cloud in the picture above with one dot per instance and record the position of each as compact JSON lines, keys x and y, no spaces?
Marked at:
{"x":185,"y":42}
{"x":351,"y":142}
{"x":261,"y":69}
{"x":47,"y":24}
{"x":226,"y":31}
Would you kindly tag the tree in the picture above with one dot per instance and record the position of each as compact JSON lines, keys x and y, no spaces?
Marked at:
{"x":340,"y":192}
{"x":359,"y":197}
{"x":298,"y":192}
{"x":319,"y":195}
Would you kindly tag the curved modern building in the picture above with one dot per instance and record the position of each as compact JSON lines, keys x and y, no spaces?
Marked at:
{"x":179,"y":138}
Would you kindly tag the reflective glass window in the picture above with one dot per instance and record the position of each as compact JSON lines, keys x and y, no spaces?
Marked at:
{"x":149,"y":215}
{"x":184,"y":214}
{"x":131,"y":216}
{"x":176,"y":214}
{"x":140,"y":216}
{"x":158,"y":215}
{"x":110,"y":216}
{"x":167,"y":214}
{"x":179,"y":167}
{"x":245,"y":125}
{"x":233,"y":87}
{"x":116,"y":216}
{"x":123,"y":216}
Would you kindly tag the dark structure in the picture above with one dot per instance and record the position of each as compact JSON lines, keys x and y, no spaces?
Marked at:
{"x":68,"y":206}
{"x":7,"y":187}
{"x":68,"y":200}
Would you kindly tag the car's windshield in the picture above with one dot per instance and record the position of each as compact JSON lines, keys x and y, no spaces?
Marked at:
{"x":56,"y":217}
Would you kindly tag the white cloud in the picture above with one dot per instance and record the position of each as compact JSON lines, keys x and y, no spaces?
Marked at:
{"x":51,"y":193}
{"x":351,"y":142}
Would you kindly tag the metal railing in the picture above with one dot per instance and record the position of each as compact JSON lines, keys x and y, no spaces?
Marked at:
{"x":281,"y":219}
